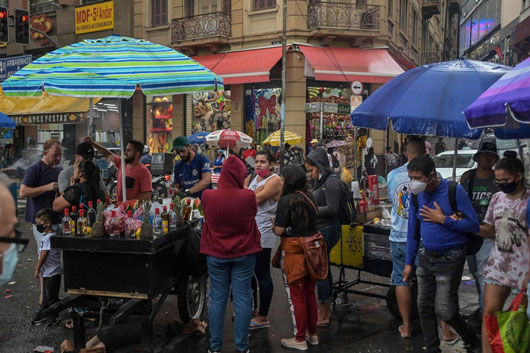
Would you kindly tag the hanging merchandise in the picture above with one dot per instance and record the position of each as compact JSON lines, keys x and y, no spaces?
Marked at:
{"x":161,"y":112}
{"x":263,"y":114}
{"x":211,"y":111}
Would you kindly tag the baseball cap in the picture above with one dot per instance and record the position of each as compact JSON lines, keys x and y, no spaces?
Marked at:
{"x":85,"y":150}
{"x":180,"y":143}
{"x":314,"y":141}
{"x":486,"y":147}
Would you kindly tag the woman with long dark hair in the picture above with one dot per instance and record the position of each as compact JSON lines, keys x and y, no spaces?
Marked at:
{"x":507,"y":269}
{"x":84,"y":188}
{"x":296,"y":217}
{"x":268,"y":189}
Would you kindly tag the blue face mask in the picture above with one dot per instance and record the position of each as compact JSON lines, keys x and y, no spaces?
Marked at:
{"x":8,"y":266}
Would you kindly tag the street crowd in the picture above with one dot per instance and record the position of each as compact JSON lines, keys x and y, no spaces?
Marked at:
{"x":436,"y":227}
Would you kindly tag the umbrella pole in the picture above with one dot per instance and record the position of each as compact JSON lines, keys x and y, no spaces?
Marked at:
{"x":90,"y":118}
{"x":122,"y":154}
{"x":454,"y":158}
{"x":284,"y":62}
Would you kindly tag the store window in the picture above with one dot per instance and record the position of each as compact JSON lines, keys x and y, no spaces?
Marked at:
{"x":4,"y":3}
{"x":159,"y":123}
{"x":211,"y":111}
{"x":403,"y":14}
{"x":390,"y":9}
{"x":158,"y":13}
{"x":88,"y":2}
{"x":262,"y":112}
{"x":106,"y":123}
{"x":258,"y":5}
{"x":40,"y":6}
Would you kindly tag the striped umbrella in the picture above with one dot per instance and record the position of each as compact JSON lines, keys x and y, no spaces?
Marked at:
{"x":228,"y":139}
{"x":289,"y":137}
{"x":112,"y":67}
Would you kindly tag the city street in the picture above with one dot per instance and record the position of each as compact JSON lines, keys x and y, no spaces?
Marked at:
{"x":362,"y":325}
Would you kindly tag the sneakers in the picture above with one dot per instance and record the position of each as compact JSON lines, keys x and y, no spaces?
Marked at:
{"x":312,"y":339}
{"x":38,"y":319}
{"x":53,"y":322}
{"x":294,"y":344}
{"x":472,"y":344}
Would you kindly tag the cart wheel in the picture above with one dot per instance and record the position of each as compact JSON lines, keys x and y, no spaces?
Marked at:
{"x":341,"y":298}
{"x":192,"y":297}
{"x":391,"y":303}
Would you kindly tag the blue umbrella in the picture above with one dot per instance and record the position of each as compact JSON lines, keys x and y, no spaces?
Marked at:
{"x":430,"y":99}
{"x":6,"y":122}
{"x":198,"y":138}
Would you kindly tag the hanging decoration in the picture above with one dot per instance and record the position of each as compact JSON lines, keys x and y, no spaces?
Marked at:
{"x":211,"y":111}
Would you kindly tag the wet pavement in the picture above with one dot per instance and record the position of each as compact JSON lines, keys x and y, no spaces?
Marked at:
{"x":362,"y":325}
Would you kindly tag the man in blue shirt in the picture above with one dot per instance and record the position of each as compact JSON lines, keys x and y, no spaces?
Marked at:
{"x":443,"y":252}
{"x":193,"y":172}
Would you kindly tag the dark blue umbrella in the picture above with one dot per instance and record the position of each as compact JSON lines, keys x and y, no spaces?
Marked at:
{"x":6,"y":122}
{"x":198,"y":138}
{"x":430,"y":99}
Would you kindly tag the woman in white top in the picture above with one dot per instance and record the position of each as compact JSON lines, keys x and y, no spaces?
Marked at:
{"x":268,"y":189}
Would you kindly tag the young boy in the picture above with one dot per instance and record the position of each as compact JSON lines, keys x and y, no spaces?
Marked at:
{"x":48,"y":267}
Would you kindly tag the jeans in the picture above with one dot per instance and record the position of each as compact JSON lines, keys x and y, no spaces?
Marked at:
{"x":331,"y":233}
{"x":266,"y":287}
{"x":439,"y":275}
{"x":223,"y":272}
{"x":305,"y":307}
{"x":476,"y":265}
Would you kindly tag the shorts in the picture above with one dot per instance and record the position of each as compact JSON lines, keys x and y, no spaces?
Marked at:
{"x":512,"y":290}
{"x":398,"y":251}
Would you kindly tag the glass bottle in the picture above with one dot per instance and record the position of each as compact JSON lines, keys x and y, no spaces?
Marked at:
{"x":157,"y":223}
{"x":129,"y":226}
{"x":114,"y":231}
{"x":67,"y":223}
{"x":363,"y":205}
{"x":91,"y":213}
{"x":172,"y":218}
{"x":165,"y":221}
{"x":82,"y":223}
{"x":74,"y":216}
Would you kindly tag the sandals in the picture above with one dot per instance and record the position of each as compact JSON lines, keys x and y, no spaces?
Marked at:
{"x":255,"y":326}
{"x":453,"y":341}
{"x":401,"y":333}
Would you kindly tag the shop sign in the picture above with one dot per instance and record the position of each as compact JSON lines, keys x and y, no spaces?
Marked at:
{"x":8,"y":66}
{"x":357,"y":87}
{"x":93,"y":18}
{"x":355,"y":101}
{"x":312,"y":107}
{"x":52,"y":118}
{"x":343,"y":109}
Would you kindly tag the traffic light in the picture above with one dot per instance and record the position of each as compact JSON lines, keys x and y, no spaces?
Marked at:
{"x":4,"y":28}
{"x":21,"y":26}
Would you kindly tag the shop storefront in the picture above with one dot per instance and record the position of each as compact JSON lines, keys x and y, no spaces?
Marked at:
{"x":159,"y":123}
{"x":262,"y":111}
{"x":211,"y":111}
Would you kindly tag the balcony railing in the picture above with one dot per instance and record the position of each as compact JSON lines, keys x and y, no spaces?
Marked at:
{"x":216,"y":24}
{"x":334,"y":15}
{"x":430,"y":8}
{"x":430,"y":58}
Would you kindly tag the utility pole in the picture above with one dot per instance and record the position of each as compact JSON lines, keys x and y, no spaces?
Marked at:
{"x":284,"y":62}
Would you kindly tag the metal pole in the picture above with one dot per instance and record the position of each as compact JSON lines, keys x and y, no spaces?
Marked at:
{"x":46,"y":36}
{"x":90,"y":117}
{"x":321,"y":121}
{"x":284,"y":62}
{"x":355,"y":166}
{"x":454,"y":158}
{"x":122,"y":154}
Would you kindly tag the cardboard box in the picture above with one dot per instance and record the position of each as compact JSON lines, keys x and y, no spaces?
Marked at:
{"x":366,"y":217}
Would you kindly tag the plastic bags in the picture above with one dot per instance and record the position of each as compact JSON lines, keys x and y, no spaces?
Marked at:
{"x":509,"y":331}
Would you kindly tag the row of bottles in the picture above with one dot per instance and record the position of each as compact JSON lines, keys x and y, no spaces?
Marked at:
{"x":165,"y":222}
{"x":77,"y":222}
{"x":366,"y":206}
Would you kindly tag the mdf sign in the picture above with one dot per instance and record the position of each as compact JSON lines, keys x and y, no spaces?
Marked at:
{"x":93,"y":18}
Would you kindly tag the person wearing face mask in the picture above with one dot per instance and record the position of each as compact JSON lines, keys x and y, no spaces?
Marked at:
{"x":442,"y":254}
{"x":268,"y":189}
{"x":40,"y":186}
{"x":138,"y":179}
{"x":8,"y":220}
{"x":326,"y":192}
{"x":218,"y":162}
{"x":479,"y":185}
{"x":85,"y":188}
{"x":507,"y":269}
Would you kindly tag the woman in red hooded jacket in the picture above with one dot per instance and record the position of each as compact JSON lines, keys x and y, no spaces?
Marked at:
{"x":230,"y":239}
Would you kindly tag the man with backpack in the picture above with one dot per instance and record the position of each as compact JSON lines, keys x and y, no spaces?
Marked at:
{"x":441,"y":226}
{"x":480,"y":187}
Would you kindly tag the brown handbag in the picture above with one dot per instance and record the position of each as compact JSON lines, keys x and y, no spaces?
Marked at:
{"x":276,"y":259}
{"x":316,"y":253}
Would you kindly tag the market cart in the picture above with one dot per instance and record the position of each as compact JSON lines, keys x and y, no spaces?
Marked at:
{"x":364,"y":249}
{"x":120,"y":280}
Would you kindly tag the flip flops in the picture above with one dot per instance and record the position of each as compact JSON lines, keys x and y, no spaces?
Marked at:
{"x":256,"y":326}
{"x":453,"y":341}
{"x":401,"y":332}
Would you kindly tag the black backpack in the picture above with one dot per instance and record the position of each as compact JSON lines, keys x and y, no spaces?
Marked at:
{"x":474,"y":242}
{"x":347,"y":212}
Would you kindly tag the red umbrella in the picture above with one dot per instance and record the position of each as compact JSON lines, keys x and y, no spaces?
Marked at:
{"x":228,"y":139}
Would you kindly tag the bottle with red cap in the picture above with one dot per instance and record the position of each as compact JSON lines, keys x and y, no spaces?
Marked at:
{"x":114,"y":231}
{"x":165,"y":220}
{"x":363,"y":205}
{"x":157,"y":223}
{"x":172,"y":218}
{"x":129,"y":226}
{"x":82,"y":223}
{"x":91,"y":213}
{"x":74,"y":215}
{"x":67,"y":223}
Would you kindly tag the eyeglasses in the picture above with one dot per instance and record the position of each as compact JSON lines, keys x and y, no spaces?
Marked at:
{"x":21,"y":243}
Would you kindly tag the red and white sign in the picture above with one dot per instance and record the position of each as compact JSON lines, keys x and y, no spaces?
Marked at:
{"x":355,"y":101}
{"x":356,"y":88}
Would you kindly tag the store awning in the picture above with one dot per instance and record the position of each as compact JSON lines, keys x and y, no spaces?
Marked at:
{"x":351,"y":64}
{"x":522,"y":31}
{"x":245,"y":66}
{"x":45,"y":104}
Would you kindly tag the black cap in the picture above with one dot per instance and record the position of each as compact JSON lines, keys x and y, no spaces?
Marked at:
{"x":85,"y":150}
{"x":487,"y":147}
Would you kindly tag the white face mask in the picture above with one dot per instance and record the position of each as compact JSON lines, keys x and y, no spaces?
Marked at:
{"x":417,"y":187}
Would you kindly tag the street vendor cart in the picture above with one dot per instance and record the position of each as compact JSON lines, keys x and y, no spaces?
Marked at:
{"x":122,"y":280}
